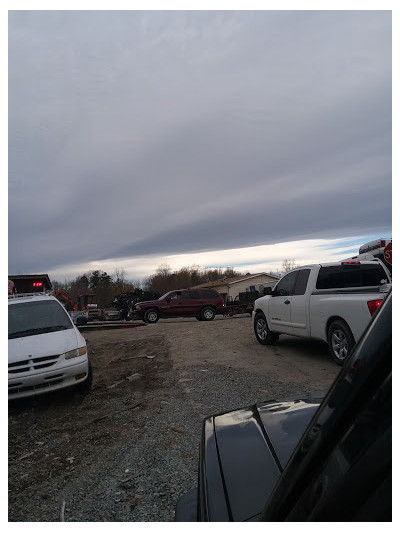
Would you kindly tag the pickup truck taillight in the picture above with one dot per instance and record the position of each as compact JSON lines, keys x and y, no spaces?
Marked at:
{"x":373,"y":305}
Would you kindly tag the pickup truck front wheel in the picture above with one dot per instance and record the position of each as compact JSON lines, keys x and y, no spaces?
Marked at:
{"x":340,"y":340}
{"x":262,"y":331}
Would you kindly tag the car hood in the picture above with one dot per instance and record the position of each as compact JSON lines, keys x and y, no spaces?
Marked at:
{"x":54,"y":343}
{"x":150,"y":302}
{"x":254,"y":446}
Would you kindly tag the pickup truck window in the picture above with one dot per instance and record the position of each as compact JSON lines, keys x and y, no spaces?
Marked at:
{"x":301,"y":282}
{"x":287,"y":284}
{"x":347,"y":276}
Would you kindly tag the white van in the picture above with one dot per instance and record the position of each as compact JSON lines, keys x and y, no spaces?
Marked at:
{"x":46,"y":351}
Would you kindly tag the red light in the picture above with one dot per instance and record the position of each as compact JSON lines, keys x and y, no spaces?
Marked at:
{"x":350,"y":263}
{"x":38,"y":284}
{"x":373,"y":305}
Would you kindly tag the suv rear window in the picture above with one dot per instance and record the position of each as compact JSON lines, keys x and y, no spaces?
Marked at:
{"x":347,"y":276}
{"x":209,"y":293}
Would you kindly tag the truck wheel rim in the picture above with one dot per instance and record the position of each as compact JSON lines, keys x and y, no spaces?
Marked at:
{"x":261,"y":329}
{"x":340,"y":345}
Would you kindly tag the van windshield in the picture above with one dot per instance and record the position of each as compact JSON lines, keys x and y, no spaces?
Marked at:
{"x":35,"y":318}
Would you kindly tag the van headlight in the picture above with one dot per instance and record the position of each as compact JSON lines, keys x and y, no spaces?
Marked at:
{"x":75,"y":353}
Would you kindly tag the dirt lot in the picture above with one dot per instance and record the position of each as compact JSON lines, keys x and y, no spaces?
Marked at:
{"x":128,"y":449}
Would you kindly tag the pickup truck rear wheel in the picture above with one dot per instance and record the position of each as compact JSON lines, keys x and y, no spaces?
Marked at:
{"x":207,"y":313}
{"x":263,"y":334}
{"x":151,"y":316}
{"x":340,"y":340}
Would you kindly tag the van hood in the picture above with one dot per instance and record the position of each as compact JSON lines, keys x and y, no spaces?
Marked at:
{"x":45,"y":344}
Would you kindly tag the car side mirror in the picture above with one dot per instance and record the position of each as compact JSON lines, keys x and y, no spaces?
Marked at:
{"x":267,"y":291}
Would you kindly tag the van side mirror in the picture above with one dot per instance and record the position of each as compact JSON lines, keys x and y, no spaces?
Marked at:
{"x":267,"y":291}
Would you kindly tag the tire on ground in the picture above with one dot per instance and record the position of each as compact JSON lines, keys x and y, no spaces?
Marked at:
{"x":263,"y":334}
{"x":151,"y":316}
{"x":207,"y":313}
{"x":341,"y":341}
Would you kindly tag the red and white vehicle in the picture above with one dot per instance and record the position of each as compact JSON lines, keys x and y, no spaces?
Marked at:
{"x":333,"y":302}
{"x":378,"y":249}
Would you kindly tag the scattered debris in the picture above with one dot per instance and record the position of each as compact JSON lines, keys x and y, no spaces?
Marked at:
{"x":177,"y":430}
{"x":134,"y":377}
{"x":116,"y":412}
{"x":62,"y":512}
{"x":116,"y":384}
{"x":26,"y":455}
{"x":134,"y":502}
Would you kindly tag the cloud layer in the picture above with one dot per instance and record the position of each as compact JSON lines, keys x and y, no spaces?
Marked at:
{"x":135,"y":134}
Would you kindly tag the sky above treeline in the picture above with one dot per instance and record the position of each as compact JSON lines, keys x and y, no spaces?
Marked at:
{"x":209,"y":138}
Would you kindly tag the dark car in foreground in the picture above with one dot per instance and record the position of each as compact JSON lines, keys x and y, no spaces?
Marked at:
{"x":203,"y":304}
{"x":307,"y":459}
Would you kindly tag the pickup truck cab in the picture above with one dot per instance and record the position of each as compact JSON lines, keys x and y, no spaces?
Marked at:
{"x":332,"y":302}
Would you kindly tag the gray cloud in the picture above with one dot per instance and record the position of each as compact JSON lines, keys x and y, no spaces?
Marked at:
{"x":170,"y":132}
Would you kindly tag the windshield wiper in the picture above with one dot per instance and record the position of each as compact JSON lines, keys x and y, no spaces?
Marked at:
{"x":35,"y":331}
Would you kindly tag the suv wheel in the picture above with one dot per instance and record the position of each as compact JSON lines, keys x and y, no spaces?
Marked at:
{"x":263,"y":334}
{"x":340,"y":340}
{"x":151,"y":316}
{"x":207,"y":313}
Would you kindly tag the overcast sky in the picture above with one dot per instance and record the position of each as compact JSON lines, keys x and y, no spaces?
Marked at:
{"x":216,"y":138}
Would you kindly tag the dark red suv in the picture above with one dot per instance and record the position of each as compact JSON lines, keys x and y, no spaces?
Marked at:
{"x":203,"y":304}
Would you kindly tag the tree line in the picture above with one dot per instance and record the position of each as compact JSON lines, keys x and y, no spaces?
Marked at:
{"x":112,"y":289}
{"x":116,"y":290}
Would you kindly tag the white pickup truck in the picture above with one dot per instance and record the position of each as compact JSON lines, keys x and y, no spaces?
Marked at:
{"x":333,"y":302}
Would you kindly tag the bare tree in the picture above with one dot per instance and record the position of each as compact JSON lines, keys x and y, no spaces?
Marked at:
{"x":289,"y":264}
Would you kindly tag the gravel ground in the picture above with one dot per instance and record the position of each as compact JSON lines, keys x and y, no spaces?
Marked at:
{"x":129,"y":449}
